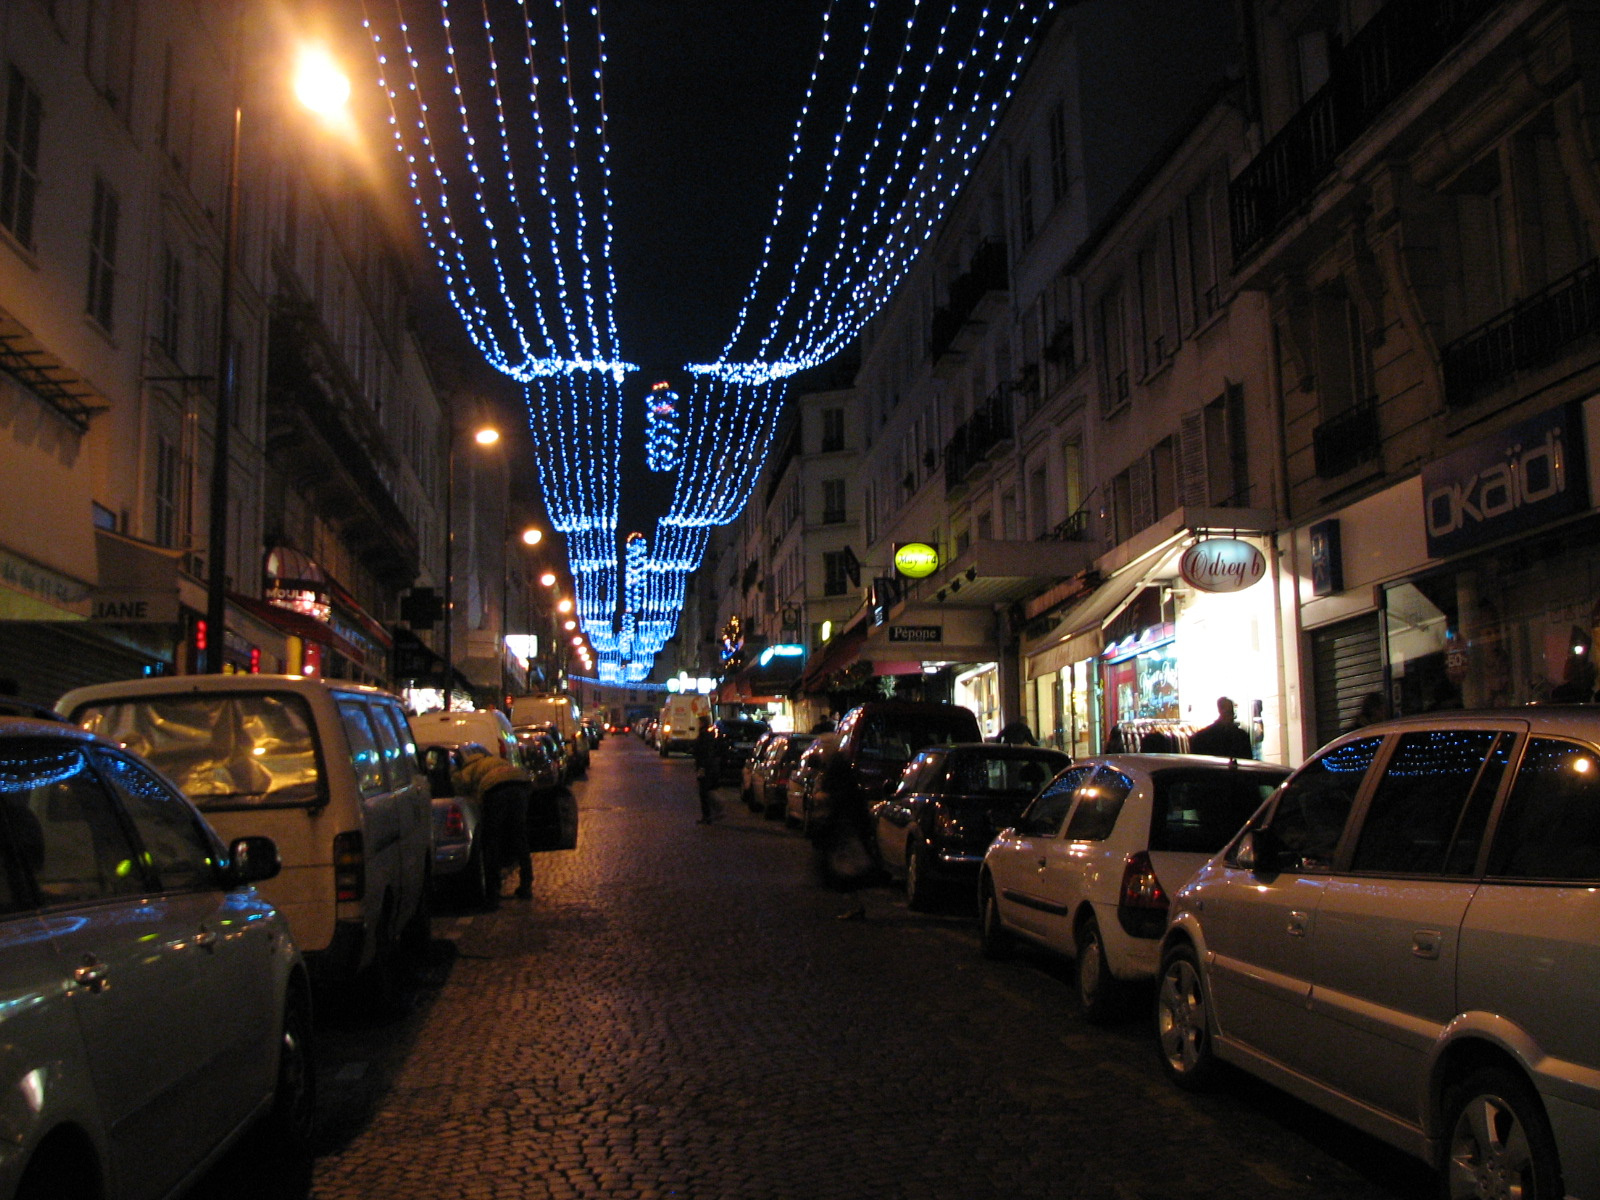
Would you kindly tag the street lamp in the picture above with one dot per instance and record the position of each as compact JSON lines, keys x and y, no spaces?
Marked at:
{"x":326,"y":90}
{"x":485,"y":435}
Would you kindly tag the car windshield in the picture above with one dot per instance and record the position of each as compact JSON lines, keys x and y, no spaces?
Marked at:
{"x":1012,"y":776}
{"x":238,"y":750}
{"x":900,"y":735}
{"x":1197,"y":812}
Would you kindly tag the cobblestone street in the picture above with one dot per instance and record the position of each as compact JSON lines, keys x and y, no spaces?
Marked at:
{"x":678,"y":1013}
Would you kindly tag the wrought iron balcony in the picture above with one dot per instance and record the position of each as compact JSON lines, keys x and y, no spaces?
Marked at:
{"x":1528,"y":334}
{"x":988,"y":429}
{"x":1393,"y":50}
{"x":984,"y":274}
{"x":1347,"y":440}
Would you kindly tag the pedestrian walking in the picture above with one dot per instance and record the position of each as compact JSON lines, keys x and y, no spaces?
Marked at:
{"x":841,"y":837}
{"x":705,"y":771}
{"x":1017,"y":733}
{"x":504,"y":792}
{"x":1224,"y":737}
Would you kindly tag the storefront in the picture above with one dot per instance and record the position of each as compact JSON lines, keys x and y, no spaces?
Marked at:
{"x":1141,"y":662}
{"x":1474,"y":584}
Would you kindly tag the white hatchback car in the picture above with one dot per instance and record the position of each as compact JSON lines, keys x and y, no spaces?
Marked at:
{"x":152,"y":1004}
{"x":1408,"y":937}
{"x":1087,"y":869}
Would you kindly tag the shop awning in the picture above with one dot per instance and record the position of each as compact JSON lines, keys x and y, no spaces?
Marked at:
{"x":840,"y":652}
{"x":297,"y":624}
{"x":1081,"y":628}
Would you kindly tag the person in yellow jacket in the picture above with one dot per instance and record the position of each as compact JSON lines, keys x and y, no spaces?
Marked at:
{"x":504,"y":792}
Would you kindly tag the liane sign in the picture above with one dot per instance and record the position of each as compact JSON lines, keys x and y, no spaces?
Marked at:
{"x":1222,"y":565}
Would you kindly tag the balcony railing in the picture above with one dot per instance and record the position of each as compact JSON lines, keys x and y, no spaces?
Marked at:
{"x":1528,"y":334}
{"x":1346,"y":441}
{"x":1074,"y":529}
{"x":1392,"y":51}
{"x":984,"y":274}
{"x":988,"y":429}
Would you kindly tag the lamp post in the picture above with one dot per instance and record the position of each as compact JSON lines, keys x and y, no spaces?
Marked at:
{"x":322,"y":88}
{"x":484,"y":436}
{"x":532,"y":535}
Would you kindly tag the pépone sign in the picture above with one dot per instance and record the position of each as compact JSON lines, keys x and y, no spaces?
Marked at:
{"x":1222,"y":565}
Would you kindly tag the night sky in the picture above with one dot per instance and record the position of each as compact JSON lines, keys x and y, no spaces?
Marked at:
{"x":701,"y":99}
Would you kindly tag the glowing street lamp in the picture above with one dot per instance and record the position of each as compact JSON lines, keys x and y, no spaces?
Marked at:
{"x":319,"y":84}
{"x":226,"y":381}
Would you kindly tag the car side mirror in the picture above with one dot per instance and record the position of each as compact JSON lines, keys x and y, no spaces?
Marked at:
{"x":1260,"y":851}
{"x":254,"y":859}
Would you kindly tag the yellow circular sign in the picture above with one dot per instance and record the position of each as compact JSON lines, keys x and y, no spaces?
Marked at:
{"x":916,"y":560}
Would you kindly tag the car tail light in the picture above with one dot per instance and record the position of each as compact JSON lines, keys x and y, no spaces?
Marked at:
{"x":349,"y":866}
{"x":455,"y":822}
{"x":1142,"y":903}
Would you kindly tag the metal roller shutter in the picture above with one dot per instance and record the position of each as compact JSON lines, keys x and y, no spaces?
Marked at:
{"x":1347,"y":660}
{"x":47,"y":659}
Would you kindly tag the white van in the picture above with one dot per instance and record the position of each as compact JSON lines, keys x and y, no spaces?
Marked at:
{"x":561,"y":710}
{"x":486,"y":726}
{"x":327,"y":770}
{"x":680,"y":722}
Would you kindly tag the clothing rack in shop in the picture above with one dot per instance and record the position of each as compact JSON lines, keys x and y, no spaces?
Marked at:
{"x":1149,"y":735}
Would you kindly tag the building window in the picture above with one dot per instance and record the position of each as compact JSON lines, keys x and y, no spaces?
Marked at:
{"x":1025,"y":199}
{"x":171,"y":315}
{"x":1059,"y":177}
{"x":832,"y":430}
{"x":832,"y":501}
{"x":166,"y":530}
{"x":1113,"y":349}
{"x":19,"y":157}
{"x":108,"y":50}
{"x":102,"y":255}
{"x":1157,"y":301}
{"x":835,"y":582}
{"x":1203,"y":297}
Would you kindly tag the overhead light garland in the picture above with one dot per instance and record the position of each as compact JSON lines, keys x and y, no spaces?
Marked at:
{"x":510,"y":178}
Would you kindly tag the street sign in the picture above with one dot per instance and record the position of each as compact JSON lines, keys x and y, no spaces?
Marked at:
{"x":916,"y":633}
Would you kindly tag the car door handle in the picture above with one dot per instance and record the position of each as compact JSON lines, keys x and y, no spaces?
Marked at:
{"x":206,"y":939}
{"x":91,"y":976}
{"x":1425,"y":943}
{"x":1297,"y":924}
{"x":1043,"y":863}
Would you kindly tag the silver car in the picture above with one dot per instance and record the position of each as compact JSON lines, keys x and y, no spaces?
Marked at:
{"x":152,"y":1006}
{"x":1408,"y":937}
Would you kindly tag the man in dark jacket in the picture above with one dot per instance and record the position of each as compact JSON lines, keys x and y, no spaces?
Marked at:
{"x":504,"y":792}
{"x":706,"y":770}
{"x":1224,"y":737}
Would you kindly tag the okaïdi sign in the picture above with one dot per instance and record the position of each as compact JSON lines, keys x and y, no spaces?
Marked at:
{"x":1222,"y":565}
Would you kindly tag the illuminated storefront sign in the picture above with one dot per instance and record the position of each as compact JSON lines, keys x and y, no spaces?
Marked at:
{"x":916,"y":560}
{"x":1222,"y":565}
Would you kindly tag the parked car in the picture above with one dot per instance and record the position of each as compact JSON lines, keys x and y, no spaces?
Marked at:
{"x":745,"y":773}
{"x":459,"y":865}
{"x":732,"y":739}
{"x":933,"y":829}
{"x":540,"y":756}
{"x":153,"y":1006}
{"x":328,"y":770}
{"x":769,"y":784}
{"x":489,"y":727}
{"x":680,"y":722}
{"x":565,"y":758}
{"x":799,"y":799}
{"x":1088,"y":869}
{"x":1407,"y":936}
{"x":877,"y":740}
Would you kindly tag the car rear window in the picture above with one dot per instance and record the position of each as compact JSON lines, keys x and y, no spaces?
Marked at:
{"x":235,"y":750}
{"x":1197,"y":812}
{"x":999,"y":775}
{"x":900,"y":735}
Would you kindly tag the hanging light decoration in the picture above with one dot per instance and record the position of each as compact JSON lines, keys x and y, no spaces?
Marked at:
{"x":500,"y":119}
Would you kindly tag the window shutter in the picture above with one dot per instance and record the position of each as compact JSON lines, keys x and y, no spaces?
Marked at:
{"x":1193,"y":478}
{"x":1144,"y":500}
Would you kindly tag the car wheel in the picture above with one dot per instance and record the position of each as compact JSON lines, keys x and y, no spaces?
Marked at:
{"x":1098,"y":993}
{"x":1500,"y":1141}
{"x":994,"y":938}
{"x":919,"y":892}
{"x":418,"y":931}
{"x":475,"y":879}
{"x":807,"y":822}
{"x":379,"y":985}
{"x":749,"y":798}
{"x":1183,"y":1020}
{"x":294,"y":1099}
{"x":60,"y":1169}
